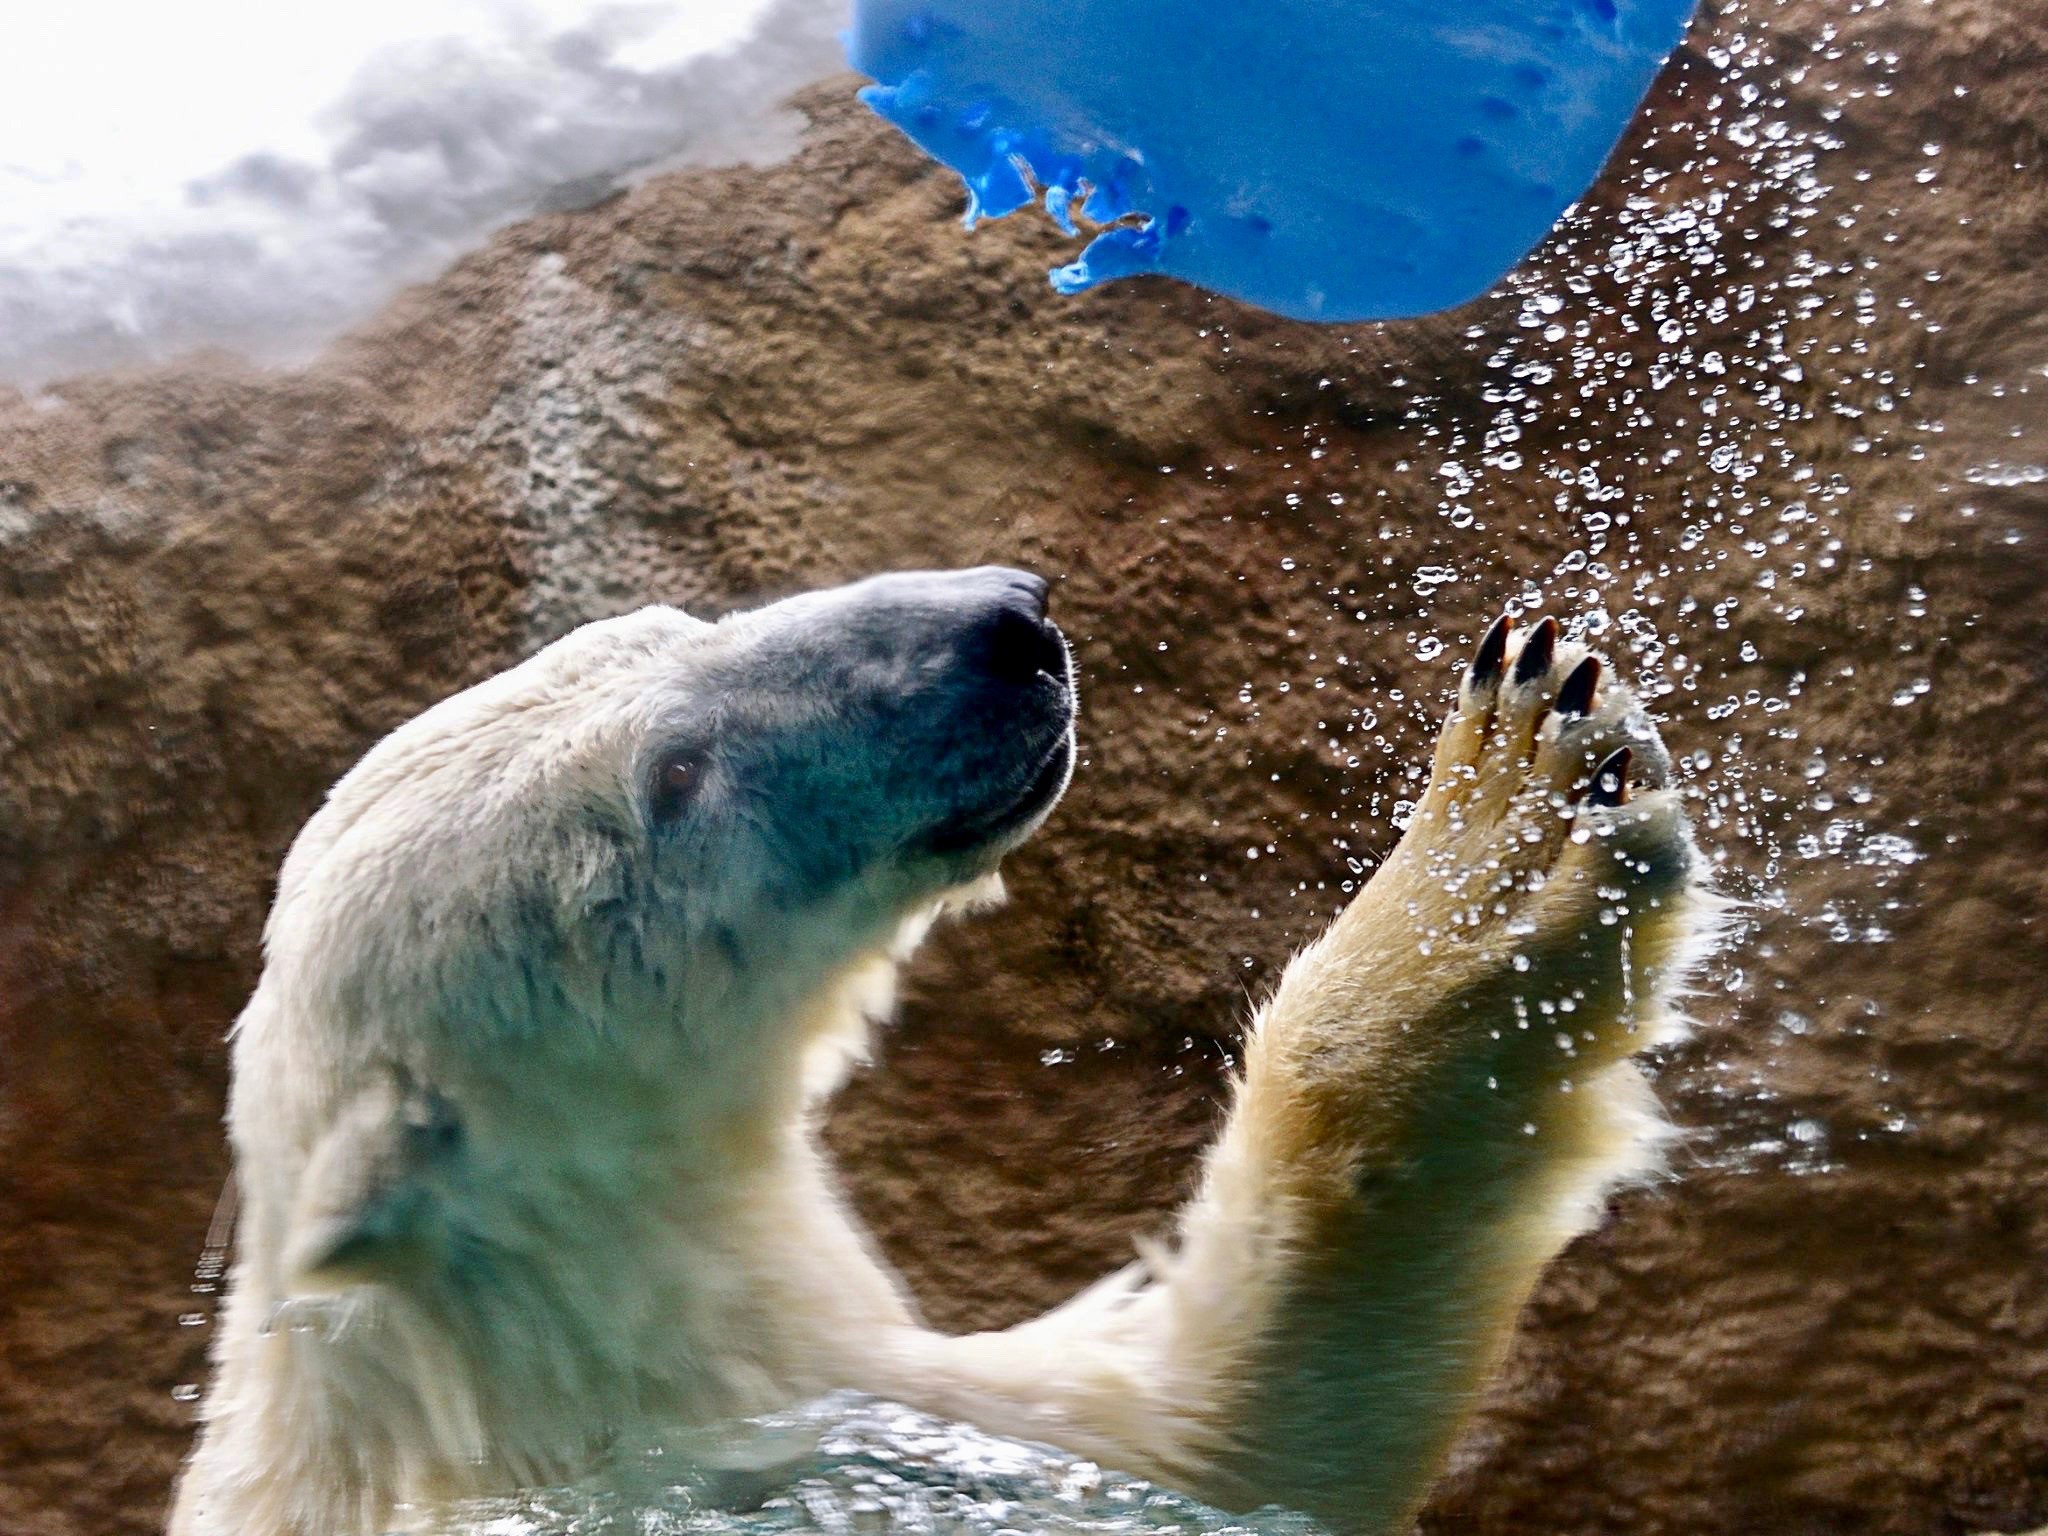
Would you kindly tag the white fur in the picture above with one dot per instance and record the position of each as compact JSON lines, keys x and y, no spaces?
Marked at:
{"x":515,"y":1193}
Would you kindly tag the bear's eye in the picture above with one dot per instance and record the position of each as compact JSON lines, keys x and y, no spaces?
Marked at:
{"x":675,"y":783}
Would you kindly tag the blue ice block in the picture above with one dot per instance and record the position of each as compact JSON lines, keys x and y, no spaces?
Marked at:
{"x":1325,"y":159}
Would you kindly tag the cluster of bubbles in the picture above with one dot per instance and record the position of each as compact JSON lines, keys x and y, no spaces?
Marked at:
{"x":1694,"y":378}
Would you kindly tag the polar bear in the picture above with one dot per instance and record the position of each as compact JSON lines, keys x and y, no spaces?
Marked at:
{"x":557,"y":976}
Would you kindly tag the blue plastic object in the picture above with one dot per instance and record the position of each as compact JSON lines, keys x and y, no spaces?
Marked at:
{"x":1325,"y":159}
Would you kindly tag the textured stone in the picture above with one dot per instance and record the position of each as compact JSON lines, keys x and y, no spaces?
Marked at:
{"x":220,"y":586}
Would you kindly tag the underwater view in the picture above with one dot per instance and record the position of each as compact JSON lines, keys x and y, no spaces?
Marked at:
{"x":564,"y":315}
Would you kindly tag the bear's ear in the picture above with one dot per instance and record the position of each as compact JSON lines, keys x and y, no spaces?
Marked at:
{"x":367,"y":1205}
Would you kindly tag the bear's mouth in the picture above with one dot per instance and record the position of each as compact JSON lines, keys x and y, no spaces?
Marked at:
{"x":999,"y":828}
{"x":995,"y":828}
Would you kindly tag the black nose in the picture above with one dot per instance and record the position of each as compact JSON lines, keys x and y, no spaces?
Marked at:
{"x":1013,"y":639}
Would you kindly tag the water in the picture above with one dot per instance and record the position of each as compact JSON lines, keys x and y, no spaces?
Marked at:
{"x":1715,"y":382}
{"x":846,"y":1464}
{"x":1730,"y":457}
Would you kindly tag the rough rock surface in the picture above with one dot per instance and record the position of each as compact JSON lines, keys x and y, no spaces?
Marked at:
{"x":1766,"y":412}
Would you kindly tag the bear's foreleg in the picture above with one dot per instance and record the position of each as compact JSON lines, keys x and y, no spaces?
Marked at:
{"x":1436,"y":1098}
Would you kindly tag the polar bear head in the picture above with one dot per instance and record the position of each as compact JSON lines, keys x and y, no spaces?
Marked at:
{"x":612,"y":899}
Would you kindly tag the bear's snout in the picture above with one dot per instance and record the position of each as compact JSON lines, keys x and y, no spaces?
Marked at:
{"x":977,"y":641}
{"x":1014,"y":640}
{"x":982,"y":708}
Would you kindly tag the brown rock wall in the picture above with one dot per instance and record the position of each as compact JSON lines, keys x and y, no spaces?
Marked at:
{"x":1778,"y":457}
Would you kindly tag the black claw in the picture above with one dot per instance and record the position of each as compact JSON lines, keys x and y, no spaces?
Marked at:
{"x":1576,"y":696}
{"x":1493,"y":651}
{"x":1537,"y":651}
{"x":1610,"y":779}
